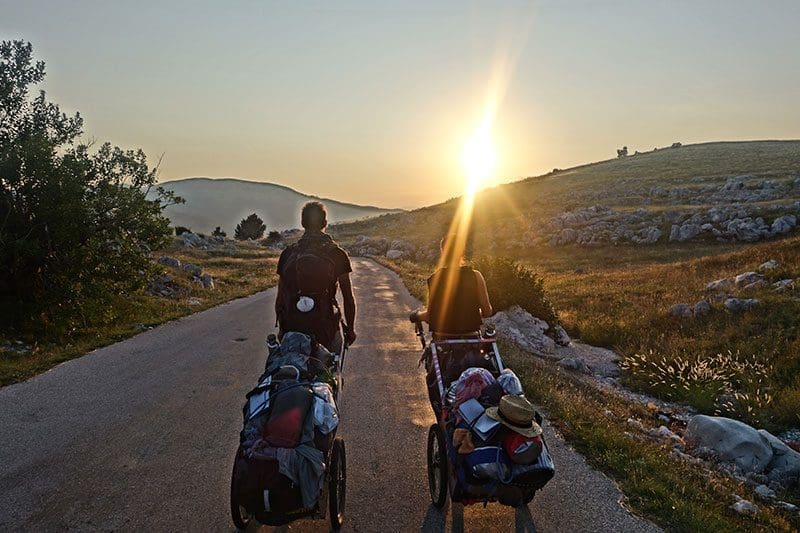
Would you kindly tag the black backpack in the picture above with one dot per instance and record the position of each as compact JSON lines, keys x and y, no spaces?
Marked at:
{"x":307,"y":279}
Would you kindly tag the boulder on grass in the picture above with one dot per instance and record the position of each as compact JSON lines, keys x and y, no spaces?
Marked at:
{"x":741,"y":304}
{"x":682,"y":310}
{"x":520,"y":327}
{"x":748,"y":278}
{"x":169,"y":261}
{"x":701,"y":308}
{"x":732,"y":441}
{"x":785,"y":463}
{"x":724,"y":284}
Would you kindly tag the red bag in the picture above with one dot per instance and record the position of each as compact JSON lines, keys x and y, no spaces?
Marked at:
{"x":521,"y":449}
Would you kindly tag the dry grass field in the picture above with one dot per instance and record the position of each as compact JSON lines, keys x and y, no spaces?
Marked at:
{"x":249,"y":270}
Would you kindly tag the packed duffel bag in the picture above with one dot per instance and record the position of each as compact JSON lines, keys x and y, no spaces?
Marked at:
{"x":534,"y":475}
{"x":271,"y":497}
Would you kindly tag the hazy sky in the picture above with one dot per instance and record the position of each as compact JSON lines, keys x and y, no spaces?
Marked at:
{"x":372,"y":104}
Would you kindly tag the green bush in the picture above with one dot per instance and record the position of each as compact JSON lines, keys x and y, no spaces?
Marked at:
{"x":511,"y":283}
{"x":251,"y":227}
{"x":180,"y":230}
{"x":77,"y":226}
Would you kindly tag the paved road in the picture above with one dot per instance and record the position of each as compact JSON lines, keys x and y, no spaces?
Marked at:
{"x":140,"y":435}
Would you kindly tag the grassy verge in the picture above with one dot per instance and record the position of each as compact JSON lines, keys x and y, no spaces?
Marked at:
{"x":745,"y":365}
{"x":249,"y":270}
{"x":676,"y":495}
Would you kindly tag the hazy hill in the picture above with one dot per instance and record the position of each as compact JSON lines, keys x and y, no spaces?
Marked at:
{"x":734,"y":190}
{"x":225,"y":202}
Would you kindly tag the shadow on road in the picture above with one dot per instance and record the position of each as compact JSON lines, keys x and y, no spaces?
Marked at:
{"x":523,"y":520}
{"x":435,"y":520}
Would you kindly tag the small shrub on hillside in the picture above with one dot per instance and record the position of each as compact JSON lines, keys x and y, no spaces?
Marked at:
{"x":251,"y":227}
{"x":218,"y":232}
{"x":511,"y":283}
{"x":273,"y":237}
{"x":180,"y":230}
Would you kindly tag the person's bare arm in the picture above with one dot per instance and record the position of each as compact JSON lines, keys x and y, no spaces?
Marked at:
{"x":349,"y":302}
{"x":483,"y":296}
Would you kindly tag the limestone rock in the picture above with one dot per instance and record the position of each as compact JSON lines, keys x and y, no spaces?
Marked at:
{"x":562,"y":337}
{"x":573,"y":363}
{"x":765,"y":493}
{"x":193,"y":269}
{"x":524,"y":329}
{"x":784,"y":224}
{"x":724,"y":284}
{"x":785,"y":463}
{"x":701,"y":308}
{"x":755,"y":285}
{"x":682,"y":310}
{"x":782,"y":285}
{"x":748,"y":278}
{"x":741,"y":304}
{"x":732,"y":441}
{"x":744,"y":507}
{"x":768,"y":265}
{"x":169,"y":261}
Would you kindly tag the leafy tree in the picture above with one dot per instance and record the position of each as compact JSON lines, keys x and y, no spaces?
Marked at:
{"x":274,"y":237}
{"x":251,"y":227}
{"x":218,"y":232}
{"x":76,"y":226}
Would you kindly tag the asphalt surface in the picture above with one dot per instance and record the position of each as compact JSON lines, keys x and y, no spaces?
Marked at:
{"x":141,"y":435}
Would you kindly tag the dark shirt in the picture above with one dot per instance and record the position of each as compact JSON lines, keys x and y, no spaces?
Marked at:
{"x":453,"y":304}
{"x":340,"y":259}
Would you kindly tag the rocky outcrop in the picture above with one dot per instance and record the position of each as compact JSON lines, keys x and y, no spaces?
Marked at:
{"x":741,"y":304}
{"x":731,"y":441}
{"x":169,"y":261}
{"x":755,"y":455}
{"x":520,"y":327}
{"x":682,"y":310}
{"x":534,"y":335}
{"x":730,"y":217}
{"x":204,"y":242}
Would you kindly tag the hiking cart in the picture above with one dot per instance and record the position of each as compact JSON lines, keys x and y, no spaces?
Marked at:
{"x":479,"y":349}
{"x":332,"y":499}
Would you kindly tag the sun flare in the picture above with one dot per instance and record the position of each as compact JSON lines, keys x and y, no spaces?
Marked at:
{"x":479,"y":158}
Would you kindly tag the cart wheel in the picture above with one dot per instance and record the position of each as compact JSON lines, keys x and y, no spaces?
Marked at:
{"x":241,"y":517}
{"x":337,"y":483}
{"x":437,"y":466}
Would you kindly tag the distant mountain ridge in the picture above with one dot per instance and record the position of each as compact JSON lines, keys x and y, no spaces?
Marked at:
{"x":224,"y":202}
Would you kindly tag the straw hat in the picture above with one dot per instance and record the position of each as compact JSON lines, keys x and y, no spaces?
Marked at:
{"x":516,"y":413}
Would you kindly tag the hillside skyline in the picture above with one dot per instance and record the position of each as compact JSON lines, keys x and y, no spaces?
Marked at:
{"x":374,"y":104}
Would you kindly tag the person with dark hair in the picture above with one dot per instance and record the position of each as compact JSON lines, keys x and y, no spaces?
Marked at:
{"x":309,"y":273}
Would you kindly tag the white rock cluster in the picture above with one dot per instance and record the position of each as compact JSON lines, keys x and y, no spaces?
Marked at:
{"x":205,"y":242}
{"x":731,"y":217}
{"x":395,"y":249}
{"x":536,"y":336}
{"x":745,"y":282}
